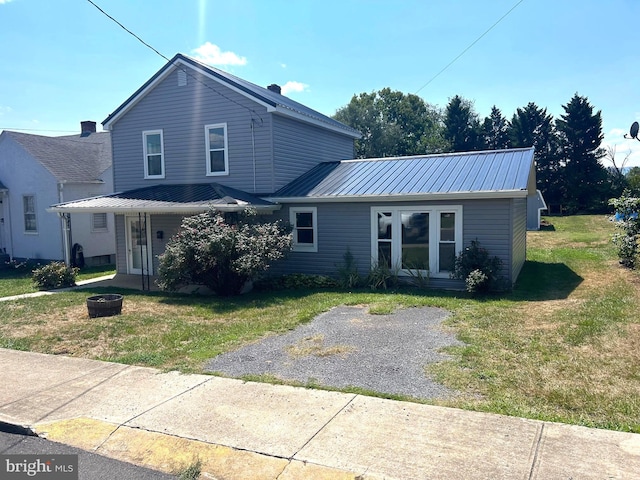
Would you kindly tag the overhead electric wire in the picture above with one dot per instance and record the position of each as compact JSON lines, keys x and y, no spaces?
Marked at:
{"x":469,"y":47}
{"x":169,"y":60}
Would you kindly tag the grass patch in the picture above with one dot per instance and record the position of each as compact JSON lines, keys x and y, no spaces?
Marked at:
{"x":17,"y":281}
{"x":563,"y":346}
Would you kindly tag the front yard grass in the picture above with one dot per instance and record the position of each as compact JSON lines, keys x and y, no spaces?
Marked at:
{"x":563,"y":346}
{"x":17,"y":281}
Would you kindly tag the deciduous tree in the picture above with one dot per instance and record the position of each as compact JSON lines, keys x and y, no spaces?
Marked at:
{"x":393,"y":124}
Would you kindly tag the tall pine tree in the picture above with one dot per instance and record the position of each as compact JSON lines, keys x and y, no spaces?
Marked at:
{"x":531,"y":126}
{"x":461,"y":125}
{"x":586,"y":179}
{"x":495,"y":130}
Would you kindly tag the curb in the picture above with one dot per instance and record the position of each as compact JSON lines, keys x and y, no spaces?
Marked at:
{"x":171,"y":454}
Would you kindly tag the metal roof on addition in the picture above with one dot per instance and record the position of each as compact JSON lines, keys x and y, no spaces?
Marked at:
{"x":483,"y":172}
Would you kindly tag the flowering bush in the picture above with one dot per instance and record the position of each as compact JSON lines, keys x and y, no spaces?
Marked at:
{"x":54,"y":275}
{"x":479,"y":271}
{"x":627,"y":239}
{"x":221,"y":255}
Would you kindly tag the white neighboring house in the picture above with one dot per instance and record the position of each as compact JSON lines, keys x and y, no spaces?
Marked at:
{"x":38,"y":171}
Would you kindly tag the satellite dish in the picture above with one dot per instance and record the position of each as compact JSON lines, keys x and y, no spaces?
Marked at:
{"x":634,"y":130}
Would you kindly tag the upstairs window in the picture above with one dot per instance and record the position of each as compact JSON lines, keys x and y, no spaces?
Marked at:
{"x":304,"y":221}
{"x":153,"y":154}
{"x":29,"y":209}
{"x":216,"y":143}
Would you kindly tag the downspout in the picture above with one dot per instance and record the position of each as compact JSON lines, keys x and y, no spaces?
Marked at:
{"x":253,"y":146}
{"x":8,"y":210}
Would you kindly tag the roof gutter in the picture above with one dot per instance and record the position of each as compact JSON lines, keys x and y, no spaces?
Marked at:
{"x":175,"y":210}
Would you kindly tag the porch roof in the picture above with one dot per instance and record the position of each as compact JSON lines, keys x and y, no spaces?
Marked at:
{"x":170,"y":199}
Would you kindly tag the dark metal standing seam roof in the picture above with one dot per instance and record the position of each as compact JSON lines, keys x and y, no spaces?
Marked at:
{"x":169,"y":198}
{"x":460,"y":173}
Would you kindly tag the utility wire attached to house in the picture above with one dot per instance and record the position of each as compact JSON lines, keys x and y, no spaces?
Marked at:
{"x":469,"y":47}
{"x":251,"y":111}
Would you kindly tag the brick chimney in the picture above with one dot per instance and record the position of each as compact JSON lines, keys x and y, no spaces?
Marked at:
{"x":274,"y":87}
{"x":87,"y":127}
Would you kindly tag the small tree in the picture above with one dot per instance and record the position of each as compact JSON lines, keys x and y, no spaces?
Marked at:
{"x":221,"y":255}
{"x":627,"y":239}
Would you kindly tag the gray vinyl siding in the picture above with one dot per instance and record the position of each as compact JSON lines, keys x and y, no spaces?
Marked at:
{"x":340,"y":226}
{"x":169,"y":226}
{"x":181,"y":113}
{"x":519,"y":237}
{"x":121,"y":245}
{"x":348,"y":225}
{"x":299,"y":146}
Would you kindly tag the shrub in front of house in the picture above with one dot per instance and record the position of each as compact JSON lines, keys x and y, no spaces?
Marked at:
{"x":478,"y":269}
{"x":294,"y":281}
{"x":54,"y":275}
{"x":627,"y":238}
{"x":219,"y":254}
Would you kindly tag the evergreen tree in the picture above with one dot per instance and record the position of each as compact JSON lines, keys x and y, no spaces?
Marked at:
{"x":587,"y":188}
{"x":462,"y":127}
{"x":495,"y":130}
{"x":393,"y":124}
{"x":531,"y":126}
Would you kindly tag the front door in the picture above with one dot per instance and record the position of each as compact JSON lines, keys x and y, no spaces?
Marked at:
{"x":139,"y":245}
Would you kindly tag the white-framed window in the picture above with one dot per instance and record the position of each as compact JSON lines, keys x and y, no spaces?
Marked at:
{"x":153,"y":145}
{"x":216,"y":148}
{"x":304,"y":221}
{"x":99,"y":222}
{"x":425,"y":238}
{"x":29,"y":210}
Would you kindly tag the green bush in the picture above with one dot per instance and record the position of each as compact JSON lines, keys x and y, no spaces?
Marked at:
{"x":382,"y":277}
{"x":221,"y":255}
{"x":54,"y":275}
{"x":294,"y":281}
{"x":627,"y":239}
{"x":348,"y":276}
{"x":479,"y":271}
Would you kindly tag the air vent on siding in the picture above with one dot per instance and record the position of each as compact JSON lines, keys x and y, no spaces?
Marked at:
{"x":182,"y":78}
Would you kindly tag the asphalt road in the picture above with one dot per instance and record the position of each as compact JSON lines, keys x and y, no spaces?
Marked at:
{"x":90,"y":465}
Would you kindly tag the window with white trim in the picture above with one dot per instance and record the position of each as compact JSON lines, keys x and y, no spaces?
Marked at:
{"x":216,"y":143}
{"x":153,"y":146}
{"x":99,"y":222}
{"x":29,"y":210}
{"x":304,"y":221}
{"x":425,"y":238}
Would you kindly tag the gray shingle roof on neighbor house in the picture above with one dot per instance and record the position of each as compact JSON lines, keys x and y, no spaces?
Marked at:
{"x":264,"y":95}
{"x":483,"y":173}
{"x":79,"y":158}
{"x":170,"y":199}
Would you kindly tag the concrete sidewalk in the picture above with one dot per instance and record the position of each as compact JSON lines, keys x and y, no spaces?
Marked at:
{"x":241,"y":430}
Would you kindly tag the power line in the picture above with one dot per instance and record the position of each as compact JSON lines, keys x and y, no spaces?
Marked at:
{"x":169,"y":60}
{"x":469,"y":47}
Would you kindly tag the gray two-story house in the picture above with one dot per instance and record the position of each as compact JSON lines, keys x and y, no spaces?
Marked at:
{"x":194,"y":138}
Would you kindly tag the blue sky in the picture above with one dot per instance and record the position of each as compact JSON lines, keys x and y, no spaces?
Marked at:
{"x":63,"y":61}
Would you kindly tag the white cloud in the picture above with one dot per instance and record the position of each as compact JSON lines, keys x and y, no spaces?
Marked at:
{"x":4,"y":110}
{"x":283,"y":65}
{"x":294,"y":87}
{"x":4,"y":1}
{"x":212,"y":55}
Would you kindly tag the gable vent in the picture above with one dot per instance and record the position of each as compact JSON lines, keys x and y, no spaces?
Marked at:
{"x":182,"y":78}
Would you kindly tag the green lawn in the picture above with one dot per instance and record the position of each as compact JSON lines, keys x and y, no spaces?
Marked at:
{"x":16,"y":281}
{"x":563,"y":346}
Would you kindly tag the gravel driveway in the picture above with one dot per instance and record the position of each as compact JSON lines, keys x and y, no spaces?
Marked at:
{"x":347,"y":346}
